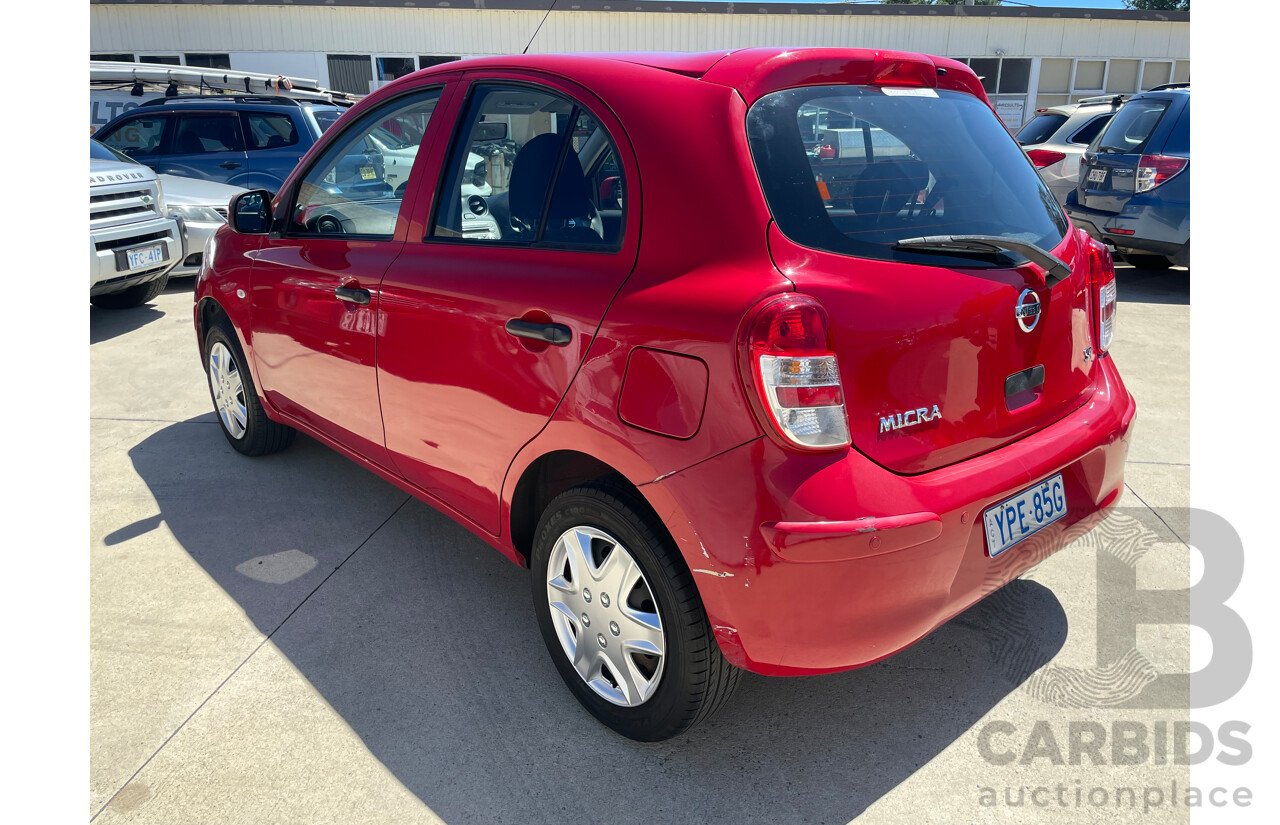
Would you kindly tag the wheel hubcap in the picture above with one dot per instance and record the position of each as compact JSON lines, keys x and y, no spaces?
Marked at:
{"x":228,"y":390}
{"x":626,"y":669}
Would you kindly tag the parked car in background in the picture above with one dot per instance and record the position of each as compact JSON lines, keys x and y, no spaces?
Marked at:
{"x":1057,"y":136}
{"x":786,"y":434}
{"x":244,"y":140}
{"x":133,"y":244}
{"x":199,"y":207}
{"x":1134,"y":191}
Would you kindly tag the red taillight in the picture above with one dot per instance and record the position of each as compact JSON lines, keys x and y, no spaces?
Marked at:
{"x":1154,"y":170}
{"x":1045,"y":157}
{"x":792,"y":366}
{"x":1102,"y":282}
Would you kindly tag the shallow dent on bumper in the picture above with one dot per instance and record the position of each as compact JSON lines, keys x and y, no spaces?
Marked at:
{"x":819,"y":541}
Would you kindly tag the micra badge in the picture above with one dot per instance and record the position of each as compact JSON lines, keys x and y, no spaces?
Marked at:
{"x":910,"y":418}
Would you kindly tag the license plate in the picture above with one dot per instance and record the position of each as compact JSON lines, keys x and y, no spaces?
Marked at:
{"x":1097,"y":175}
{"x":368,"y":173}
{"x":145,"y":257}
{"x":1025,"y":514}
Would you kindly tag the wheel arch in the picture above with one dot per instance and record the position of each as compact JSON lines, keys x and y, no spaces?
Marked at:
{"x":546,"y":477}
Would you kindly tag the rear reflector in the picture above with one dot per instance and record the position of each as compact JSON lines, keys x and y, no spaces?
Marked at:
{"x":1045,"y":157}
{"x":1154,"y":170}
{"x":1120,"y":231}
{"x":797,"y":380}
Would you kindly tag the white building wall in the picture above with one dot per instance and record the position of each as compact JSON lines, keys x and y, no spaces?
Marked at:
{"x":311,"y":65}
{"x":466,"y":32}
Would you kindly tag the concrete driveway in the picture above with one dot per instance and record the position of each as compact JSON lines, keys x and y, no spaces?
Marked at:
{"x":291,"y":639}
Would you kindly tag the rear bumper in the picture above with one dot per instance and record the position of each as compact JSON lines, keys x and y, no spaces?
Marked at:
{"x":1157,"y":227}
{"x":813,"y":564}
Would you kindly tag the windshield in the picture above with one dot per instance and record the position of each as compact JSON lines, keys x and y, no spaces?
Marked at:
{"x":103,"y":152}
{"x":904,"y":163}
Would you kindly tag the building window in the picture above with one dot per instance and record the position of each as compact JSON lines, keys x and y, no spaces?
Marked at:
{"x":389,"y":68}
{"x":118,"y":58}
{"x":1155,"y":72}
{"x":1089,"y":75}
{"x":350,"y":73}
{"x":1182,"y":72}
{"x":209,"y":61}
{"x":164,"y":59}
{"x":428,"y":60}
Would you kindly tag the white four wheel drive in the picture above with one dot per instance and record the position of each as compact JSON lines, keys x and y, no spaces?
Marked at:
{"x":132,"y":243}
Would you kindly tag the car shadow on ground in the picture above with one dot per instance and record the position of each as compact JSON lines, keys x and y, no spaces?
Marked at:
{"x":425,"y":643}
{"x":105,"y":324}
{"x":1152,"y":286}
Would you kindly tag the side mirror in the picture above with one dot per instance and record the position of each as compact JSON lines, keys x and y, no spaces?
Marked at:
{"x":251,"y":212}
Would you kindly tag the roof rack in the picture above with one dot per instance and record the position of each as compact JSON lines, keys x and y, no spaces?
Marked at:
{"x":286,"y":101}
{"x":1114,"y":100}
{"x":1163,"y":86}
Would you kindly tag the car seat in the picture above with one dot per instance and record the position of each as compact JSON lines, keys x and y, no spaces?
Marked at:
{"x":886,"y":187}
{"x":570,"y":216}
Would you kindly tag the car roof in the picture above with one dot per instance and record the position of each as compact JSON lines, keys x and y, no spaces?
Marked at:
{"x":753,"y":72}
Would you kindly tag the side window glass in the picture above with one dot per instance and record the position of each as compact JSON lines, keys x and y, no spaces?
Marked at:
{"x":1090,"y":131}
{"x":356,"y":186}
{"x":198,"y":135}
{"x":138,"y":137}
{"x":519,"y":173}
{"x":270,"y":131}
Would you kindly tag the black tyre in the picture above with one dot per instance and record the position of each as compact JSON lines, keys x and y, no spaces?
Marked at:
{"x":1149,"y":261}
{"x":240,"y":414}
{"x":621,"y":616}
{"x":134,"y":296}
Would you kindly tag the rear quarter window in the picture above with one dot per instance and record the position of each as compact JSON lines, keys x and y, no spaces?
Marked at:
{"x":1085,"y":136}
{"x":1040,"y":128}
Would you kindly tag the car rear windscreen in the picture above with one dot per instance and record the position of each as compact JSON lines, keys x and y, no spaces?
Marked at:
{"x":1131,"y":128}
{"x":1040,"y":129}
{"x":901,"y":163}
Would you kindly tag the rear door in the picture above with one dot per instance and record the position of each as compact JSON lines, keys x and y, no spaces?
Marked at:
{"x":943,"y":355}
{"x":1109,"y":173}
{"x":489,"y":311}
{"x":204,"y":144}
{"x":275,"y":141}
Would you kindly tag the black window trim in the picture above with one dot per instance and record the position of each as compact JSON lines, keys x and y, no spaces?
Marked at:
{"x":281,"y":221}
{"x":537,"y":243}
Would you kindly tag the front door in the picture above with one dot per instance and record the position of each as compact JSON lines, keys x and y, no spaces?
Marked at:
{"x":486,"y":319}
{"x":315,"y":284}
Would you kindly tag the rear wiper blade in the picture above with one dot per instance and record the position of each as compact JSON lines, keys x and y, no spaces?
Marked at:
{"x":1054,"y":268}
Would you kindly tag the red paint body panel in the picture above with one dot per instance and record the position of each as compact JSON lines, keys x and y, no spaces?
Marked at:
{"x":788,"y":618}
{"x":427,"y":389}
{"x":663,"y":392}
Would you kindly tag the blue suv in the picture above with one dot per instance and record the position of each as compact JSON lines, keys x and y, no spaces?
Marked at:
{"x":1135,"y":180}
{"x":248,"y":141}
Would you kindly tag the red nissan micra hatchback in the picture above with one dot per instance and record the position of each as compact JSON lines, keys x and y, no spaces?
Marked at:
{"x":769,"y":359}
